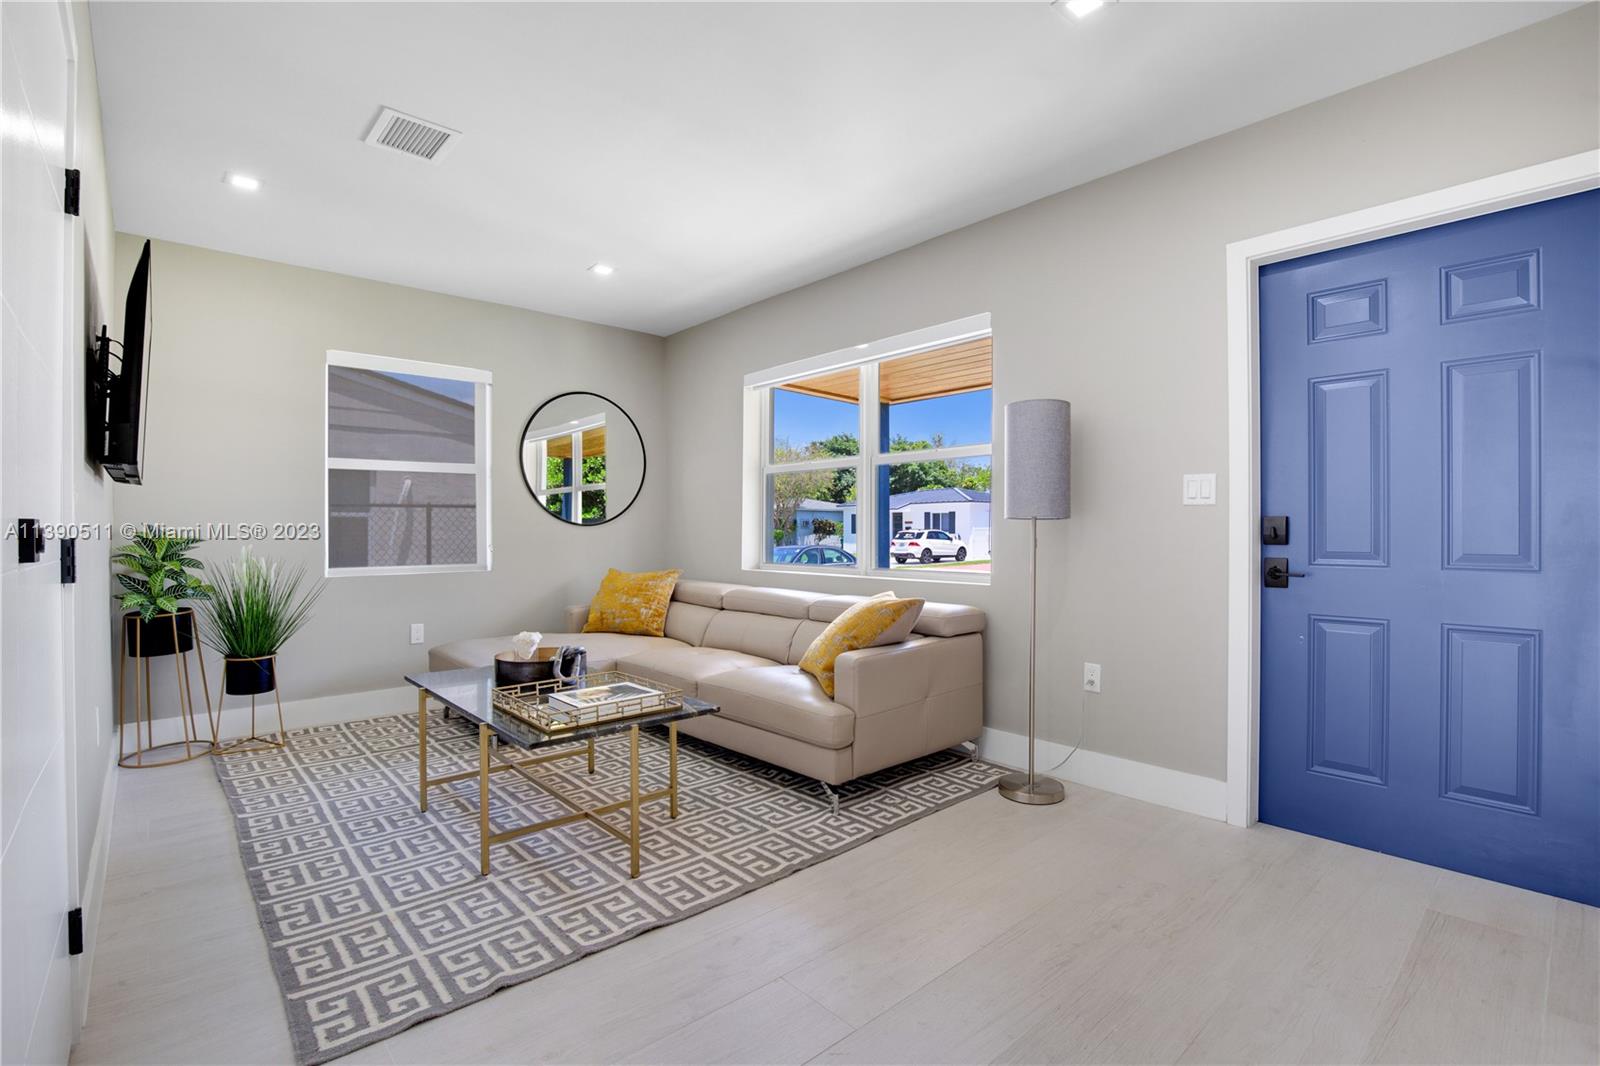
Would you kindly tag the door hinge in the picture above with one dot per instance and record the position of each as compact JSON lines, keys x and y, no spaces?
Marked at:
{"x":69,"y":560}
{"x":75,"y":931}
{"x":70,"y":195}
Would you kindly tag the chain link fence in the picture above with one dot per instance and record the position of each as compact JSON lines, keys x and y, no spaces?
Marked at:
{"x":406,"y":534}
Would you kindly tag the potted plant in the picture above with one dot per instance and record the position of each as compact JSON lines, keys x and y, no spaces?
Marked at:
{"x":254,"y":608}
{"x":158,"y":576}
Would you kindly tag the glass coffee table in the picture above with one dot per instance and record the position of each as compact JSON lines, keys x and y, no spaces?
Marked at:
{"x":470,"y":693}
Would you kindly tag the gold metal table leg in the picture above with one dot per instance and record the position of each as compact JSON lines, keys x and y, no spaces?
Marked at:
{"x":422,"y":750}
{"x":633,"y":801}
{"x":205,"y":687}
{"x":672,"y":767}
{"x":591,"y":755}
{"x":149,"y":711}
{"x":122,"y":682}
{"x":483,"y":798}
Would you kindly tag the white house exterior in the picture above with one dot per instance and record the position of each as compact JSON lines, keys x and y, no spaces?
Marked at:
{"x":964,"y":512}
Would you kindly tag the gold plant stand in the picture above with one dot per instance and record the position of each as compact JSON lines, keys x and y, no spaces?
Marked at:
{"x":144,"y":743}
{"x":255,"y":742}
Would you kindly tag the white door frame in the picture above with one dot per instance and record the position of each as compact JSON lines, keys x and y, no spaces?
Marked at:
{"x":1544,"y":181}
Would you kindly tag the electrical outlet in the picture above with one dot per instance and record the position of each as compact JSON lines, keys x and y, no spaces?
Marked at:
{"x":1091,"y":677}
{"x":416,"y":632}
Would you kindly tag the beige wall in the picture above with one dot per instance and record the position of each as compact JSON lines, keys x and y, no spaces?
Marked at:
{"x":236,"y":434}
{"x":1111,"y":295}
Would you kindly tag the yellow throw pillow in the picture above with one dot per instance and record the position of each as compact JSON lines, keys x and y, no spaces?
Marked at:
{"x":632,"y":603}
{"x":856,"y":628}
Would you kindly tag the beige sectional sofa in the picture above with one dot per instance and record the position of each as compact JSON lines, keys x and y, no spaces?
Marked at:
{"x":737,"y":646}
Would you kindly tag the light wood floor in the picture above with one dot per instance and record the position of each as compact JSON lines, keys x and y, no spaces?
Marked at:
{"x":1101,"y":930}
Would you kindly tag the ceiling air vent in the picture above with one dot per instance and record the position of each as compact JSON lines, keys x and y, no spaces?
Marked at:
{"x":412,"y":135}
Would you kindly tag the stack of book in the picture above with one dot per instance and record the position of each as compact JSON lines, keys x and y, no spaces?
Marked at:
{"x":606,"y":701}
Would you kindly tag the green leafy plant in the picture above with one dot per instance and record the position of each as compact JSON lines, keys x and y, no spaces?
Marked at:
{"x":158,"y":573}
{"x":823,"y":530}
{"x":255,"y":607}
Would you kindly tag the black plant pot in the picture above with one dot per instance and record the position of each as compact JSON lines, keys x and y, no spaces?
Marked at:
{"x":249,"y":677}
{"x":153,"y":639}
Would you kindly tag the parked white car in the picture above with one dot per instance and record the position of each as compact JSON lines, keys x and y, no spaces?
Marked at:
{"x":926,"y":545}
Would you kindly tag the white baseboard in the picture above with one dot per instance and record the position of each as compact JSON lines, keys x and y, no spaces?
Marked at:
{"x":320,"y":710}
{"x":94,"y":889}
{"x":1205,"y":796}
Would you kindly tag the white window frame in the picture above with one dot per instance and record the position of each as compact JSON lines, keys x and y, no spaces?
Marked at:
{"x":759,"y":464}
{"x":574,"y":432}
{"x":483,"y":387}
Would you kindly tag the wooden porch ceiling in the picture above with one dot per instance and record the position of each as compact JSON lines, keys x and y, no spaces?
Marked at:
{"x":956,"y":368}
{"x":594,"y":443}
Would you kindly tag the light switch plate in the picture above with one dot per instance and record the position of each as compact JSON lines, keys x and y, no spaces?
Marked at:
{"x":1199,"y":490}
{"x":416,"y":632}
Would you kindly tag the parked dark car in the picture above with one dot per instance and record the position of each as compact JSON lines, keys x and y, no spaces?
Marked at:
{"x":812,"y":555}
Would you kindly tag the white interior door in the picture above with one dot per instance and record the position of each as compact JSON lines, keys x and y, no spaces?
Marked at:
{"x":36,"y":75}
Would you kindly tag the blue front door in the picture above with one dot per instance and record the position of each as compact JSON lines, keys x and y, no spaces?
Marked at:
{"x":1430,"y":427}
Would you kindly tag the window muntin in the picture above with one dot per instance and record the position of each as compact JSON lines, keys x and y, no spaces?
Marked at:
{"x":407,"y":478}
{"x":927,"y":464}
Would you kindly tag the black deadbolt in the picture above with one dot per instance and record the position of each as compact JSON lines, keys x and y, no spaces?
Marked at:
{"x":1275,"y":529}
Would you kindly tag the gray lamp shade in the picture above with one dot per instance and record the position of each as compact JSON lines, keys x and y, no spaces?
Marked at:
{"x":1038,"y":459}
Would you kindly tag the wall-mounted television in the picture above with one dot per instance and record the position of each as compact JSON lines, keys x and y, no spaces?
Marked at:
{"x":119,"y":385}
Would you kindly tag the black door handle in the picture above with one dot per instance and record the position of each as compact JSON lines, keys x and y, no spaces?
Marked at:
{"x":1275,"y":572}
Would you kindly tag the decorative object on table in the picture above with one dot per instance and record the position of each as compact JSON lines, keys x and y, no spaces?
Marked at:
{"x":567,"y":663}
{"x":526,"y":662}
{"x":524,"y":644}
{"x":582,"y":458}
{"x":632,"y":603}
{"x":254,"y":609}
{"x":158,"y":576}
{"x":608,"y":696}
{"x":303,"y":871}
{"x":1038,"y":486}
{"x":880,"y":619}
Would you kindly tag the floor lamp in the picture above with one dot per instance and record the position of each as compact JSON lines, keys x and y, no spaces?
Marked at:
{"x":1038,"y":485}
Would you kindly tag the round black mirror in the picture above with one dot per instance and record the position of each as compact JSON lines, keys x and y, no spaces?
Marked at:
{"x":582,"y":458}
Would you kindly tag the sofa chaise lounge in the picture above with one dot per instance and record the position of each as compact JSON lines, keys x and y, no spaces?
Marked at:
{"x":737,"y":646}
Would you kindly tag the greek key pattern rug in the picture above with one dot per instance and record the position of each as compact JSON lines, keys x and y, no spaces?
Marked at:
{"x":376,"y":917}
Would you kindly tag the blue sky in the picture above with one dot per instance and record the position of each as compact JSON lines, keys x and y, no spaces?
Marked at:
{"x":456,"y":390}
{"x":963,"y":418}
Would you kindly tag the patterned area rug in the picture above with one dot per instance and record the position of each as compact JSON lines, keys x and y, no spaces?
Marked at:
{"x":376,"y":917}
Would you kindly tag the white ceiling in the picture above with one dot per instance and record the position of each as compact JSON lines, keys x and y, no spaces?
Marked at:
{"x":716,"y":154}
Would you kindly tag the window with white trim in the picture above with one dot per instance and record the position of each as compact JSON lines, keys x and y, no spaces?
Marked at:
{"x":927,"y":424}
{"x":569,"y":462}
{"x":407,"y":478}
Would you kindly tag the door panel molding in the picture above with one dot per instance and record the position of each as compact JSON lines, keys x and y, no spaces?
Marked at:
{"x":1543,"y":181}
{"x":1349,"y":658}
{"x":1488,"y":759}
{"x":1491,"y":462}
{"x":1349,"y":421}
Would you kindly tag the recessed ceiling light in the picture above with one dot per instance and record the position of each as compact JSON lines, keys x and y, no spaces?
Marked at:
{"x":1079,"y":9}
{"x":242,"y":181}
{"x":861,"y":346}
{"x":605,"y":270}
